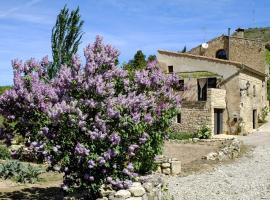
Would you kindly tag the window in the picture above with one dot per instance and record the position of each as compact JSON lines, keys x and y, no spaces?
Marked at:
{"x":211,"y":82}
{"x":254,"y":90}
{"x":181,"y":85}
{"x":170,"y":69}
{"x":179,"y":118}
{"x":202,"y":89}
{"x":221,"y":54}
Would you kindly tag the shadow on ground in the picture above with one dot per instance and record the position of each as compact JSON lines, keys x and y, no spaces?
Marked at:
{"x":49,"y":193}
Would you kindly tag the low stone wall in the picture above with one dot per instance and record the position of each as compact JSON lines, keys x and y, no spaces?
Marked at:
{"x":168,"y":166}
{"x":145,"y":189}
{"x":229,"y":151}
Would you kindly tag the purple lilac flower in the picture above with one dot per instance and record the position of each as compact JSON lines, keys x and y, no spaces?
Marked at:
{"x":101,"y":161}
{"x":132,"y":148}
{"x":115,"y":139}
{"x":148,"y":118}
{"x":91,"y":164}
{"x":81,"y":150}
{"x":143,"y":138}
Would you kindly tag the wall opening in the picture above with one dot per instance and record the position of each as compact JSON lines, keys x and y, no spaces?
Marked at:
{"x":170,"y":69}
{"x":221,"y":54}
{"x":179,"y":118}
{"x":218,"y":121}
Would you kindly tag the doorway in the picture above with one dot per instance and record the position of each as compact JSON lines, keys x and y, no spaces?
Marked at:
{"x":254,"y":118}
{"x":218,"y":118}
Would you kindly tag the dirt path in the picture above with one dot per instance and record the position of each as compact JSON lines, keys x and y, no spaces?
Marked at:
{"x":245,"y":179}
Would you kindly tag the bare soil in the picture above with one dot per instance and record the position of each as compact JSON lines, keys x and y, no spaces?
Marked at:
{"x":190,"y":155}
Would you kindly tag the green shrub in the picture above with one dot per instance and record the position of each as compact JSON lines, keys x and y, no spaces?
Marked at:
{"x":181,"y":135}
{"x":24,"y":173}
{"x":1,"y":121}
{"x":4,"y":88}
{"x":263,"y":114}
{"x":204,"y":133}
{"x":4,"y":152}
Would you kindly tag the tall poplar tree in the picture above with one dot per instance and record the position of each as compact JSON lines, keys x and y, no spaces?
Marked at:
{"x":65,"y":39}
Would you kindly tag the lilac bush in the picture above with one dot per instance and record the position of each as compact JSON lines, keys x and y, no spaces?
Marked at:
{"x":95,"y":123}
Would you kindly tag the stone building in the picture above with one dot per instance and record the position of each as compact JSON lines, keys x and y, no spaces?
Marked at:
{"x":223,"y":84}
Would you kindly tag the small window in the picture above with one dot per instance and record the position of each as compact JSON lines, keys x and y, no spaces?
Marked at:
{"x":181,"y":85}
{"x":221,"y":54}
{"x":254,"y":90}
{"x":170,"y":69}
{"x":212,"y":83}
{"x":179,"y":118}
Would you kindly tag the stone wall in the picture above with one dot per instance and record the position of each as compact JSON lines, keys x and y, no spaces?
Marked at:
{"x":213,"y":46}
{"x":249,"y":101}
{"x":145,"y":189}
{"x":249,"y":52}
{"x":168,"y":166}
{"x":193,"y":116}
{"x":229,"y":151}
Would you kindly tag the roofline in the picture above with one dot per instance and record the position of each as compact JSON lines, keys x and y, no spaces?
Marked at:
{"x":237,"y":64}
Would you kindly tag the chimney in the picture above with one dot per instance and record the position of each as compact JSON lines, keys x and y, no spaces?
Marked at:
{"x":239,"y":33}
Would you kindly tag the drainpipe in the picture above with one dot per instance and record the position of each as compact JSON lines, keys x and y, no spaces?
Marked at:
{"x":229,"y":35}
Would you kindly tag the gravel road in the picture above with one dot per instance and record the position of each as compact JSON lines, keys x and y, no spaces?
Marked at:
{"x":248,"y":178}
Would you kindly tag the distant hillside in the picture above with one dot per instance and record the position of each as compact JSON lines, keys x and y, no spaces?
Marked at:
{"x":263,"y":33}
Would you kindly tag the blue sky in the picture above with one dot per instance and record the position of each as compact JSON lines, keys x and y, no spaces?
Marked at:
{"x":128,"y":25}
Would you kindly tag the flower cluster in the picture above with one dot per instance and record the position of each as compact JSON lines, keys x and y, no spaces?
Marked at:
{"x":96,"y":123}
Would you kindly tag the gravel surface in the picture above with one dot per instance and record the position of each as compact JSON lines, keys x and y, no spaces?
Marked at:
{"x":248,"y":178}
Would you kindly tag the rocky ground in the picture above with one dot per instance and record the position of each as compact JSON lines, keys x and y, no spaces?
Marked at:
{"x":248,"y":178}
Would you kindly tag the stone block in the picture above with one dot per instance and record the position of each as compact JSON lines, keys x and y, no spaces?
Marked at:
{"x":137,"y":191}
{"x":148,"y":186}
{"x":165,"y":165}
{"x":176,"y":167}
{"x":134,"y":198}
{"x":123,"y":194}
{"x":166,"y":171}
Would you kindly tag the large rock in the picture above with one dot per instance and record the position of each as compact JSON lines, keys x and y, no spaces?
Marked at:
{"x":137,"y":191}
{"x":148,"y":186}
{"x":122,"y":194}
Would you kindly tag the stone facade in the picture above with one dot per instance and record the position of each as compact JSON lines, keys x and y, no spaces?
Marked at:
{"x":195,"y":112}
{"x":238,"y":48}
{"x":252,"y":99}
{"x":216,"y":100}
{"x":240,"y":108}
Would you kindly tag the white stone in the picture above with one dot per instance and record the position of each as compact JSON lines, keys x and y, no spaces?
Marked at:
{"x":148,"y":186}
{"x":123,"y":194}
{"x":166,"y":171}
{"x":134,"y":198}
{"x":137,"y":191}
{"x":136,"y":184}
{"x":166,"y":165}
{"x":176,"y":167}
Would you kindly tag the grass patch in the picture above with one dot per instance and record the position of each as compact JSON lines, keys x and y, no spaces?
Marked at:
{"x":181,"y":135}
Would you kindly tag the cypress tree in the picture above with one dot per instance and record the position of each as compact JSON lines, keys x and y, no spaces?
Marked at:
{"x":65,"y":39}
